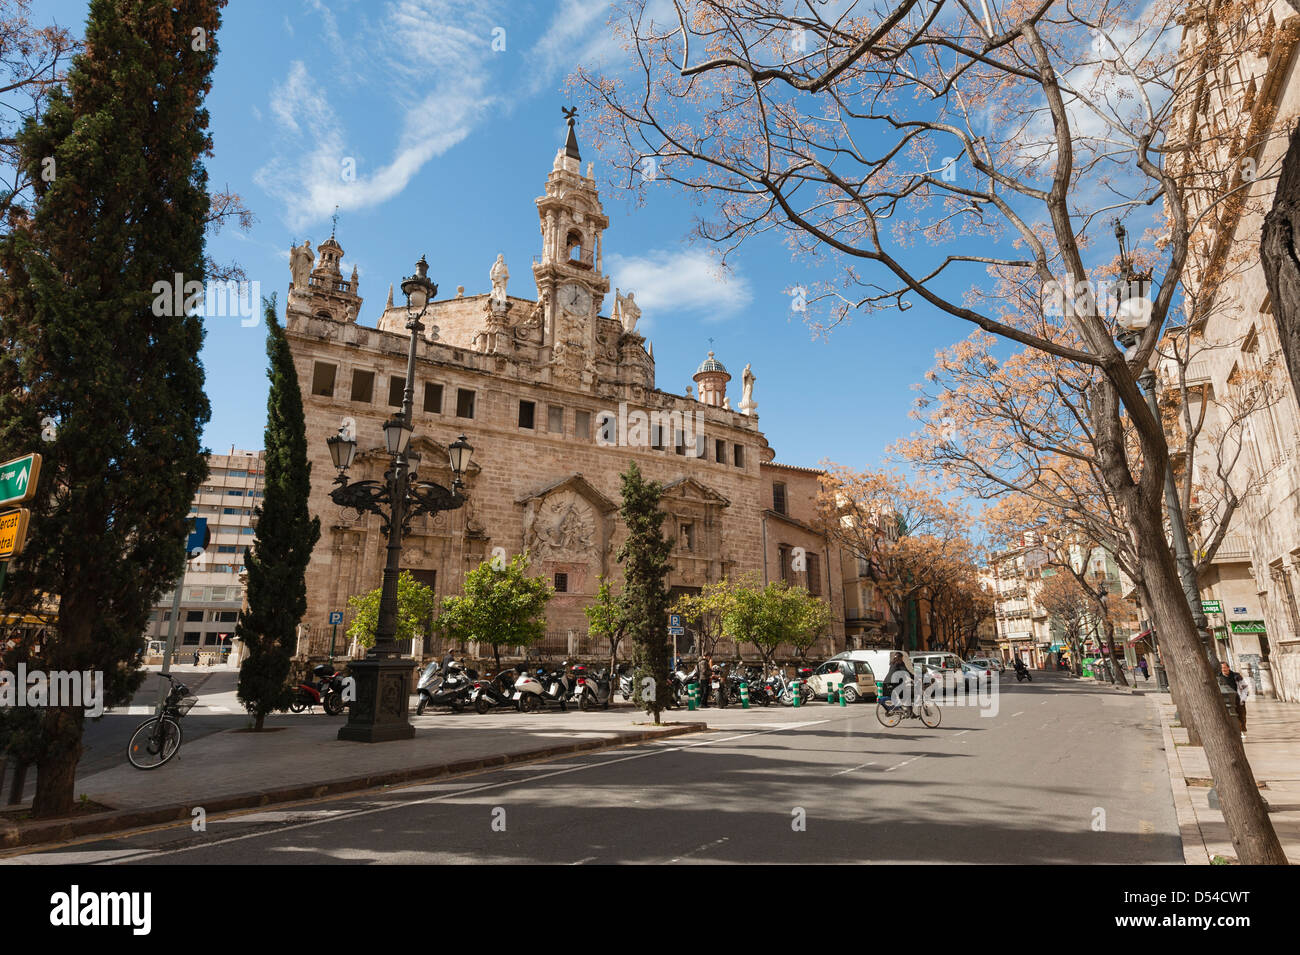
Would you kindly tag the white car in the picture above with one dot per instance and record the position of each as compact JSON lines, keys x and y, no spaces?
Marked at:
{"x":987,"y":663}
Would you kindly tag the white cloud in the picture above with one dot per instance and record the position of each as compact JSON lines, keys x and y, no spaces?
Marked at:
{"x":683,"y":281}
{"x":437,"y":75}
{"x":577,"y":34}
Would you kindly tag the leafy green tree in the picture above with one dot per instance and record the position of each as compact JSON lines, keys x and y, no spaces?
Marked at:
{"x":503,"y":606}
{"x":88,"y":357}
{"x":415,"y":603}
{"x":644,"y":556}
{"x":286,"y":535}
{"x":704,"y":612}
{"x":607,"y":619}
{"x":774,"y":616}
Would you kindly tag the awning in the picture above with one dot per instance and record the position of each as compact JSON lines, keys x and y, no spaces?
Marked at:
{"x":1145,"y":633}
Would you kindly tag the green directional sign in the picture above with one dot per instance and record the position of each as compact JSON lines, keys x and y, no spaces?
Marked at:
{"x":1211,"y":606}
{"x":18,"y":479}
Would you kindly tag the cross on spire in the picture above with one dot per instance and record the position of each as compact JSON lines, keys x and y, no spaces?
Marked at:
{"x":571,"y":141}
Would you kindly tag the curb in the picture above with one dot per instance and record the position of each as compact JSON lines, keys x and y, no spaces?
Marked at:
{"x":18,"y":835}
{"x":1195,"y":851}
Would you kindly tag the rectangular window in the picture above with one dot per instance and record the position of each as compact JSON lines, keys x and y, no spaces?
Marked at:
{"x":783,"y":557}
{"x":582,"y":425}
{"x":608,"y":425}
{"x":464,"y":403}
{"x":396,"y":391}
{"x":192,"y":639}
{"x":527,"y":414}
{"x":814,"y":574}
{"x":322,"y":379}
{"x":432,"y":398}
{"x":228,"y":616}
{"x":561,"y":583}
{"x":234,"y":494}
{"x":720,"y":451}
{"x":778,"y":498}
{"x":657,"y":437}
{"x":739,"y":455}
{"x":363,"y":385}
{"x":226,"y":549}
{"x":555,"y":419}
{"x":679,"y":442}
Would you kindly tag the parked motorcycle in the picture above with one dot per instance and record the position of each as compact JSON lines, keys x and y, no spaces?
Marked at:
{"x":326,"y":692}
{"x":591,"y":688}
{"x":626,"y":682}
{"x":451,"y":688}
{"x":757,"y":688}
{"x":490,"y":692}
{"x":806,"y":694}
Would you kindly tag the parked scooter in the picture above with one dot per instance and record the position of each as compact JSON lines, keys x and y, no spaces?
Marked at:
{"x":591,"y":687}
{"x":444,"y":689}
{"x":490,"y":692}
{"x":326,"y":692}
{"x":539,"y":689}
{"x":626,"y":682}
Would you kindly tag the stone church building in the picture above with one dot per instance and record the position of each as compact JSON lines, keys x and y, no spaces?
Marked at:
{"x":555,"y":389}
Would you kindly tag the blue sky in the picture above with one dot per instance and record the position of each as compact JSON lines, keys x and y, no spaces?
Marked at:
{"x":451,"y":142}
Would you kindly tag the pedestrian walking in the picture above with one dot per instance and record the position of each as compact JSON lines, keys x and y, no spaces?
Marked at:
{"x":1142,"y":665}
{"x":196,"y":657}
{"x":1243,"y":692}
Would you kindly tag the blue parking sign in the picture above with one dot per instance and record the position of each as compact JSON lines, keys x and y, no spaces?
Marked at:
{"x":675,"y":621}
{"x":336,"y":616}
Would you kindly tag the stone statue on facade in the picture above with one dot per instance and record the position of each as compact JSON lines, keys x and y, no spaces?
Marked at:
{"x":500,"y":275}
{"x":747,"y":404}
{"x":301,"y":261}
{"x":628,"y":311}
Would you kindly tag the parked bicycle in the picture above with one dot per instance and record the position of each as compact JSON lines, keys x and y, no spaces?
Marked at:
{"x":157,"y":739}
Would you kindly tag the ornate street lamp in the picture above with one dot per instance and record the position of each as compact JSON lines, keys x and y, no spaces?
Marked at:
{"x":383,"y":677}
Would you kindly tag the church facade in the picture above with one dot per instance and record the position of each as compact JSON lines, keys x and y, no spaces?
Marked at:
{"x":557,"y":400}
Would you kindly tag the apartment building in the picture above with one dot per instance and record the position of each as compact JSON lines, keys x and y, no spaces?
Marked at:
{"x":211,"y":593}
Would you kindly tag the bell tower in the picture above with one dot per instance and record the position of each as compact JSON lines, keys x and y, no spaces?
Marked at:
{"x":568,"y":273}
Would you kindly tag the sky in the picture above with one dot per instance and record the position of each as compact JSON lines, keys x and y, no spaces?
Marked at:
{"x":432,"y":142}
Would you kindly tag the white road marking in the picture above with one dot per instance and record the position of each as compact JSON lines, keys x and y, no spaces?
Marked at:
{"x":707,"y":845}
{"x":963,"y":733}
{"x":443,"y":796}
{"x":904,"y":763}
{"x":1021,"y":713}
{"x":854,"y":769}
{"x":1044,"y":703}
{"x":581,"y":861}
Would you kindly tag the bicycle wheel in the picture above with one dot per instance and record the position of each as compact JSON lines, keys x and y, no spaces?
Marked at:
{"x":154,"y":742}
{"x":888,"y":716}
{"x":930,"y":714}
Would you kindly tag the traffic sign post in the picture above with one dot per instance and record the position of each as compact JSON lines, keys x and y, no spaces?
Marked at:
{"x":13,"y":532}
{"x":336,"y":618}
{"x":18,"y":479}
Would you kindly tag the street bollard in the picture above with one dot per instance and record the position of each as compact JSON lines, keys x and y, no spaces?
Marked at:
{"x":796,"y":693}
{"x":744,"y":695}
{"x":843,"y":702}
{"x":831,"y":689}
{"x":692,"y":696}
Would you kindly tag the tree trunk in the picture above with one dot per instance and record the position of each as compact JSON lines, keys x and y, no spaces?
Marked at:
{"x":261,"y":718}
{"x":1281,"y":261}
{"x":56,"y":768}
{"x":1110,"y":649}
{"x":1252,"y":833}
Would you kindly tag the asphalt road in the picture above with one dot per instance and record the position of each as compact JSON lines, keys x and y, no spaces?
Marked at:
{"x":1066,"y":772}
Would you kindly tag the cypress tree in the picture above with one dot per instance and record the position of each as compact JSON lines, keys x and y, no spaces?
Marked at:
{"x":286,"y":533}
{"x":644,"y":556}
{"x":120,"y":201}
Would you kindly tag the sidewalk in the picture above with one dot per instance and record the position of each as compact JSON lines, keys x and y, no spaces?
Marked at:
{"x":298,"y":757}
{"x":1273,"y":749}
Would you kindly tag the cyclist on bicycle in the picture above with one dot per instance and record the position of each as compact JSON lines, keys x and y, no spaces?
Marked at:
{"x":900,"y":679}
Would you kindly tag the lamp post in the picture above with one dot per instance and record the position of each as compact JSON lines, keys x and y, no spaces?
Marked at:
{"x":1102,"y":644}
{"x":1133,"y":317}
{"x":379,"y":712}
